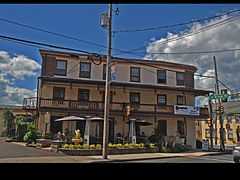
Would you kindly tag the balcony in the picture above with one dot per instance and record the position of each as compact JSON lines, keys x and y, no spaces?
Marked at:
{"x":30,"y":103}
{"x":96,"y":106}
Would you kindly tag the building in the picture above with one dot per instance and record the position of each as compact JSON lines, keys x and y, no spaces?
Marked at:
{"x":16,"y":110}
{"x":159,"y":93}
{"x":231,"y":122}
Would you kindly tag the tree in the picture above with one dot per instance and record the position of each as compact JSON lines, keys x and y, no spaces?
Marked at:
{"x":9,"y":122}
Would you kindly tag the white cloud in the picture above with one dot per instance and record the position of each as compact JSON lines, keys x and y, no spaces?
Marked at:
{"x":222,"y":37}
{"x":12,"y":69}
{"x":19,"y":66}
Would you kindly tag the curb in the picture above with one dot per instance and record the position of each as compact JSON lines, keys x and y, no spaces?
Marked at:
{"x":151,"y":158}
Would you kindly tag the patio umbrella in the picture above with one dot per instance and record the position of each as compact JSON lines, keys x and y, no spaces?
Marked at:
{"x":95,"y":118}
{"x":71,"y":118}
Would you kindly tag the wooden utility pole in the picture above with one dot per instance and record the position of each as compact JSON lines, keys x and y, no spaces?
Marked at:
{"x":211,"y":123}
{"x":222,"y":146}
{"x":107,"y":85}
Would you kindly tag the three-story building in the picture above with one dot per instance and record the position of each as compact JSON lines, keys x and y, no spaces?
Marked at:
{"x":161,"y":95}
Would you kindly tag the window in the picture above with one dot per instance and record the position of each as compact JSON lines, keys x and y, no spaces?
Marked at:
{"x":58,"y":93}
{"x":83,"y":95}
{"x":161,"y":99}
{"x":180,"y":78}
{"x":181,"y":100}
{"x":181,"y":128}
{"x":61,"y":67}
{"x":135,"y":98}
{"x":135,"y":74}
{"x":85,"y":70}
{"x":161,"y":76}
{"x":104,"y":71}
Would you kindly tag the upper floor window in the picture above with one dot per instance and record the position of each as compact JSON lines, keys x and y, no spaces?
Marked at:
{"x":85,"y":70}
{"x":180,"y":78}
{"x":134,"y":98}
{"x":135,"y":74}
{"x":161,"y":76}
{"x":181,"y":100}
{"x":58,"y":93}
{"x":161,"y":99}
{"x":61,"y":67}
{"x":83,"y":95}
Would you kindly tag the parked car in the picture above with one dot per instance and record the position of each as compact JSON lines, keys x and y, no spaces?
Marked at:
{"x":236,"y":154}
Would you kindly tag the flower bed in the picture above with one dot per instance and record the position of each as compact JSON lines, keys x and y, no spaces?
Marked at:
{"x":88,"y":150}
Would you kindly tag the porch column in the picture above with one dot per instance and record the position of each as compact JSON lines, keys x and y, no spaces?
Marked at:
{"x":87,"y":132}
{"x":132,"y":131}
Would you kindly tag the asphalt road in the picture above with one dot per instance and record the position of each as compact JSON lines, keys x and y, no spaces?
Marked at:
{"x":11,"y":150}
{"x":226,"y":158}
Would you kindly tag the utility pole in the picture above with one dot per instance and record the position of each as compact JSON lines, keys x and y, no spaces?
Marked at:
{"x":211,"y":123}
{"x":107,"y":84}
{"x":222,"y":146}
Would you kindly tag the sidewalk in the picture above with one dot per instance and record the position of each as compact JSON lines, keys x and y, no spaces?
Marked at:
{"x":98,"y":159}
{"x":147,"y":156}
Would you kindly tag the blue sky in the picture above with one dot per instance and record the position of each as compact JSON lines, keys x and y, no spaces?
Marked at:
{"x":82,"y":21}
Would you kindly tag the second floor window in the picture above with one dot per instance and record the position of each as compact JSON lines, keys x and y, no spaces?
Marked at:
{"x":162,"y":99}
{"x":83,"y":95}
{"x":61,"y":67}
{"x":104,"y":71}
{"x":135,"y":74}
{"x":134,"y":98}
{"x":181,"y":100}
{"x":85,"y":70}
{"x":161,"y":76}
{"x":58,"y":93}
{"x":180,"y":78}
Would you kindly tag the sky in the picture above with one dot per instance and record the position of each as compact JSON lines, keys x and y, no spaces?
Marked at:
{"x":20,"y":65}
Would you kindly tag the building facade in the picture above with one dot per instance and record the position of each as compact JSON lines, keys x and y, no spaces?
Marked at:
{"x":231,"y":121}
{"x":157,"y":92}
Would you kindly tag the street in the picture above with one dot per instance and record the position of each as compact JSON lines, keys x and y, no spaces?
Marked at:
{"x":11,"y":150}
{"x":227,"y":158}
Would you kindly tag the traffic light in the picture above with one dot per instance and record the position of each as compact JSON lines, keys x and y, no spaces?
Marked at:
{"x":221,"y":109}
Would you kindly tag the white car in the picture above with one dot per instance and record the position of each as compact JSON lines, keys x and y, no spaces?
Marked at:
{"x":236,"y":154}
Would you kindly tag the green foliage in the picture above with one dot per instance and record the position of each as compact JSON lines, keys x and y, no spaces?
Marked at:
{"x":31,"y":134}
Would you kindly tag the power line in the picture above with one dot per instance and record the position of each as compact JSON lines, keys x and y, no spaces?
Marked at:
{"x":203,"y":29}
{"x":59,"y":34}
{"x":174,"y":25}
{"x":43,"y":44}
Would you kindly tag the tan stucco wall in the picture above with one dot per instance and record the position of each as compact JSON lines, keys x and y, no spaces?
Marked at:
{"x":148,"y":74}
{"x":191,"y":132}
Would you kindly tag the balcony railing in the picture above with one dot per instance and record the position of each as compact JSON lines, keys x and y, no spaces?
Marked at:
{"x":99,"y":106}
{"x":30,"y":103}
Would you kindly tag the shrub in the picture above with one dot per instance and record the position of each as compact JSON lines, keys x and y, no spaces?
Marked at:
{"x":77,"y":146}
{"x":92,"y":146}
{"x":85,"y":146}
{"x":119,"y":146}
{"x":66,"y":146}
{"x":71,"y":146}
{"x":98,"y":146}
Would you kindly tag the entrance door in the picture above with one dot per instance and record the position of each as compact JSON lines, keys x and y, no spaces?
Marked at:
{"x":162,"y":127}
{"x":55,"y":127}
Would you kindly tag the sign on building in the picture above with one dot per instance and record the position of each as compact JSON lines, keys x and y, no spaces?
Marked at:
{"x":186,"y":110}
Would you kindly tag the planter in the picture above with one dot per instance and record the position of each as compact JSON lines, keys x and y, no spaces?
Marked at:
{"x":93,"y":152}
{"x":76,"y":141}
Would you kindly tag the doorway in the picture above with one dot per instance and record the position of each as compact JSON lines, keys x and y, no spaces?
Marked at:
{"x":162,"y":128}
